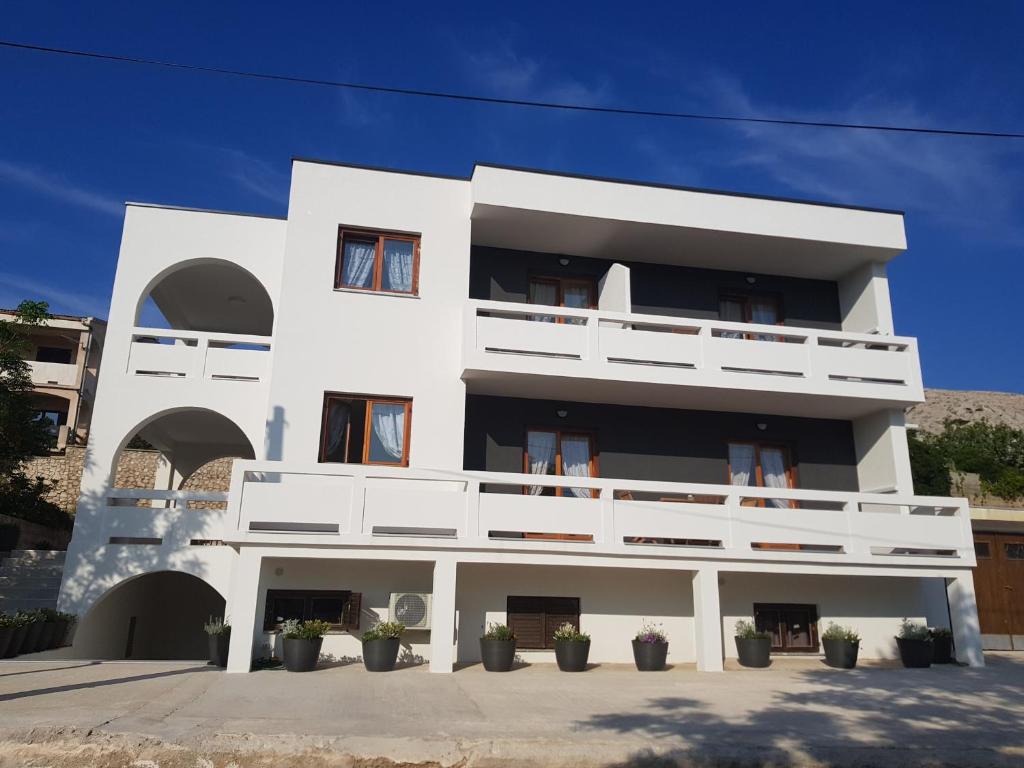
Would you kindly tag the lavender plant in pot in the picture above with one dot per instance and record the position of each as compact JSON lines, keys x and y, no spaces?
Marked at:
{"x":572,"y":648}
{"x":915,"y":644}
{"x":8,"y":625}
{"x":650,"y":648}
{"x":218,"y":635}
{"x":21,"y":623}
{"x":942,"y":646}
{"x":753,"y":647}
{"x":381,"y":644}
{"x":841,"y":646}
{"x":302,"y":643}
{"x":498,"y":648}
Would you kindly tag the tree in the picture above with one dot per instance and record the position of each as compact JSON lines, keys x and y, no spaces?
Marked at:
{"x":994,"y":451}
{"x":22,"y":435}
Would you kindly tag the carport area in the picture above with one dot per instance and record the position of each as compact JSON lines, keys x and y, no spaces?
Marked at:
{"x":796,"y":713}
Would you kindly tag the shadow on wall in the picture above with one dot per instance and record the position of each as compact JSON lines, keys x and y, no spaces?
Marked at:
{"x":944,"y":716}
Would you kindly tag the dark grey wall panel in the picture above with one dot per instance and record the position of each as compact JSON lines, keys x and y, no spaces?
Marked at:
{"x":637,"y":443}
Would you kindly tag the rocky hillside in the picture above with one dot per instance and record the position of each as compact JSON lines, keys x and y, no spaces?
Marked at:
{"x":969,"y":406}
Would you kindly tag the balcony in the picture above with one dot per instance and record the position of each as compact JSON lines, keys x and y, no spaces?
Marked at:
{"x":605,"y":356}
{"x":171,"y":519}
{"x":53,"y":374}
{"x":198,"y":355}
{"x":357,"y":505}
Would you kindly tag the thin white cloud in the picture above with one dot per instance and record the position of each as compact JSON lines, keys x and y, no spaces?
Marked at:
{"x":256,"y":176}
{"x":508,"y":74}
{"x":59,"y":188}
{"x":17,"y":288}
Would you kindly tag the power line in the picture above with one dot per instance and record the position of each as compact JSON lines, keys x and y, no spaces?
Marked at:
{"x":451,"y":96}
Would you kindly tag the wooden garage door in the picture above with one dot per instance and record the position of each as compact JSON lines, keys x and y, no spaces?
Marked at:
{"x":999,"y":583}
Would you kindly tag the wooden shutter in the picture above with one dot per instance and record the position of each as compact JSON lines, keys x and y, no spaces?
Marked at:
{"x":535,"y":619}
{"x":353,"y":609}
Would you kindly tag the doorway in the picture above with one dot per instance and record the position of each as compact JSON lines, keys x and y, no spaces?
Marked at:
{"x":999,"y":586}
{"x":793,"y":627}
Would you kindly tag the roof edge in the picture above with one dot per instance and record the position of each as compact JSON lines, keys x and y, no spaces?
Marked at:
{"x":190,"y":209}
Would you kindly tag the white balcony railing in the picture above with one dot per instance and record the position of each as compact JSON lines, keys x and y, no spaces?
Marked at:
{"x":599,"y":344}
{"x":139,"y":516}
{"x":349,"y":504}
{"x":61,"y":374}
{"x":194,"y":354}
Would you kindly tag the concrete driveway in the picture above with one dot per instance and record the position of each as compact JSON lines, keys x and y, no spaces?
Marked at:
{"x":797,"y":713}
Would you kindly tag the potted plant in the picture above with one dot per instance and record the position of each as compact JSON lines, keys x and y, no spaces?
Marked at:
{"x":572,"y":648}
{"x":915,"y":644}
{"x":218,"y":635}
{"x":35,"y":628}
{"x":650,"y":648}
{"x":380,"y":646}
{"x":942,"y":646}
{"x":841,"y":646}
{"x":498,"y":648}
{"x":49,"y":631}
{"x":7,"y":627}
{"x":21,"y":623}
{"x":753,"y":648}
{"x":302,"y":643}
{"x":65,"y":622}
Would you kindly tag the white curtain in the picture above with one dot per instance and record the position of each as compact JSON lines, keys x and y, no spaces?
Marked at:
{"x":576,"y":462}
{"x":763,"y":312}
{"x":389,"y":429}
{"x":398,"y":262}
{"x":543,"y":293}
{"x":773,"y":466}
{"x":576,"y":297}
{"x":540,"y":451}
{"x":742,"y":465}
{"x":357,"y":269}
{"x":731,"y":311}
{"x":338,"y":412}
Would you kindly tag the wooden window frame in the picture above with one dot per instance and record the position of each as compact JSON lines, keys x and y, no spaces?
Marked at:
{"x":787,"y":453}
{"x":379,"y":236}
{"x":370,"y":400}
{"x":353,"y":605}
{"x":747,"y":299}
{"x":560,"y":284}
{"x":593,"y":465}
{"x":548,"y":642}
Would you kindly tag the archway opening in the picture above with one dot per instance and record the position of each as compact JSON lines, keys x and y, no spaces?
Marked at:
{"x":210,"y":295}
{"x":157,"y":615}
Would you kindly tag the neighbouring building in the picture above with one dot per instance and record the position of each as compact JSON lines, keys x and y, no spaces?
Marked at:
{"x":65,"y":360}
{"x":520,"y":397}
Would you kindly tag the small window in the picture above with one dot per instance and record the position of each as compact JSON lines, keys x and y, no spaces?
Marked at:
{"x":340,"y":609}
{"x":562,"y":453}
{"x":385,"y":262}
{"x":763,"y":310}
{"x":535,"y":619}
{"x":1014,"y":550}
{"x":52,"y":421}
{"x":982,"y":550}
{"x":792,"y":627}
{"x":53,"y":355}
{"x":562,"y":292}
{"x":365,"y":429}
{"x":762,"y":466}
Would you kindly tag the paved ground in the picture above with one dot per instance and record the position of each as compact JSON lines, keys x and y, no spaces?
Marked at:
{"x":170,"y":714}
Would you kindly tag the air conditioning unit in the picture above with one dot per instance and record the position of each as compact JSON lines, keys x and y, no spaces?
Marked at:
{"x":411,"y":609}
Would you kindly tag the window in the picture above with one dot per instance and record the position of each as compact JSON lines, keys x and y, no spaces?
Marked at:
{"x":1014,"y":550}
{"x":340,"y":609}
{"x":762,"y":466}
{"x":981,"y":549}
{"x":792,"y":627}
{"x":386,"y":262}
{"x":563,"y":453}
{"x":534,"y":620}
{"x":53,"y":355}
{"x":763,"y":310}
{"x":562,"y":292}
{"x":365,"y":429}
{"x":52,"y":421}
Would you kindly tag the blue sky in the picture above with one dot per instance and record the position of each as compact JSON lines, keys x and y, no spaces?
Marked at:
{"x":77,"y":138}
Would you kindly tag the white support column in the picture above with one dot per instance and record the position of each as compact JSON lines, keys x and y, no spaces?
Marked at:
{"x":442,"y":617}
{"x":963,"y":611}
{"x":707,"y":620}
{"x":240,"y":611}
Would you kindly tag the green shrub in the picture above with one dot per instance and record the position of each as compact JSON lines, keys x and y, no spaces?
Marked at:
{"x":745,"y":630}
{"x":567,"y":632}
{"x":498,"y":632}
{"x":313,"y":629}
{"x":836,"y":632}
{"x":911,"y":630}
{"x":6,"y":620}
{"x":216,"y":626}
{"x":940,"y":632}
{"x":384,"y":630}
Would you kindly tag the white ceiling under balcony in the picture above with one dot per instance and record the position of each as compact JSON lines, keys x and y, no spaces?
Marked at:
{"x":536,"y":211}
{"x":215,"y":296}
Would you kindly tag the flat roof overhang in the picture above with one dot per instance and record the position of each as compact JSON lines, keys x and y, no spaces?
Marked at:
{"x":537,"y":211}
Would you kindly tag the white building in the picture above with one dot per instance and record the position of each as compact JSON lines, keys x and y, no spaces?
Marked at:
{"x":703,"y":424}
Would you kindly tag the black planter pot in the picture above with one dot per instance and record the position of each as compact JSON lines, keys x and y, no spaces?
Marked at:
{"x":942,"y":650}
{"x":57,"y":641}
{"x":915,"y":654}
{"x":219,"y":649}
{"x":497,"y":655}
{"x":17,"y":638}
{"x":46,"y":636}
{"x":754,"y":652}
{"x":68,"y":634}
{"x":6,"y":635}
{"x":31,"y":639}
{"x":841,"y":654}
{"x":380,"y":655}
{"x":571,"y":655}
{"x":301,"y":655}
{"x":649,"y":657}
